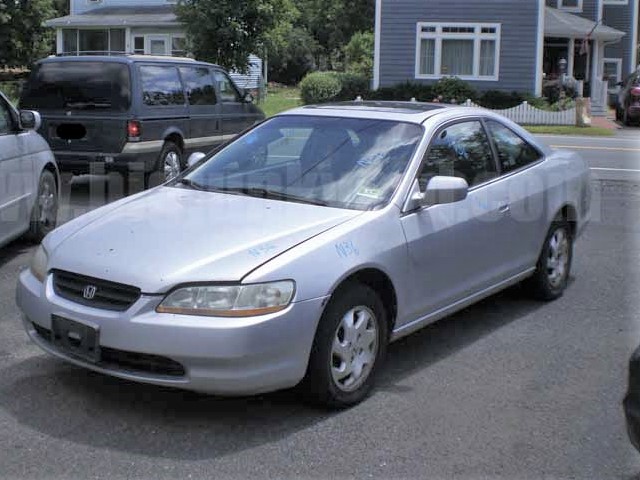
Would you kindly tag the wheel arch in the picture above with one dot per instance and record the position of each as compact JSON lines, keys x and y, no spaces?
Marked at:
{"x":568,"y":213}
{"x":175,"y":136}
{"x":379,"y":282}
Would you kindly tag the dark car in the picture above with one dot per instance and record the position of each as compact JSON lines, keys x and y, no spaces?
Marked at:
{"x":628,"y":105}
{"x":632,"y":400}
{"x":134,"y":112}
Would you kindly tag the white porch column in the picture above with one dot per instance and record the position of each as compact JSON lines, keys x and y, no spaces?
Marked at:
{"x":570,"y":56}
{"x":59,"y":42}
{"x":596,"y":69}
{"x":127,"y":40}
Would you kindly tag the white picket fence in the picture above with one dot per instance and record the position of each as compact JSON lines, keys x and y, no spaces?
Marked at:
{"x":525,"y":114}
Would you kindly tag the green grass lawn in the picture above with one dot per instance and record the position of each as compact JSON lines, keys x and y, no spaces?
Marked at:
{"x":569,"y":130}
{"x":280,"y":99}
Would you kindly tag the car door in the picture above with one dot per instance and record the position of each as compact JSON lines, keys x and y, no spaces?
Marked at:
{"x":16,"y":175}
{"x":519,"y":164}
{"x":458,"y":249}
{"x":235,"y":117}
{"x":205,"y":125}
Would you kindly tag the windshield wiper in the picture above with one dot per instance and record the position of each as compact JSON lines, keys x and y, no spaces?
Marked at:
{"x":87,"y":105}
{"x":270,"y":194}
{"x":187,"y":182}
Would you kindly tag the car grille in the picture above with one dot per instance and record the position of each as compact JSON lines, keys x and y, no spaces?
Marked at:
{"x":113,"y":359}
{"x":105,"y":295}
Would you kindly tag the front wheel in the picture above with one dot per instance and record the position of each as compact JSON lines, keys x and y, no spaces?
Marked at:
{"x":45,"y":210}
{"x":349,"y":346}
{"x":554,"y":265}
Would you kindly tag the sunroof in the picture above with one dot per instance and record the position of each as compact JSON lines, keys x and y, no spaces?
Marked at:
{"x":399,"y":107}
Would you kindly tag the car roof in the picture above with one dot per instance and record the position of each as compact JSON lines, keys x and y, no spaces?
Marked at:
{"x":129,"y":59}
{"x":413,"y":112}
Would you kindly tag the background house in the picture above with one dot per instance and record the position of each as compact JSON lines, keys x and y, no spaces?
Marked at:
{"x":147,"y":27}
{"x":510,"y":45}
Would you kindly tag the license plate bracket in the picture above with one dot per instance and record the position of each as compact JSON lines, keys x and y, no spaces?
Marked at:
{"x":75,"y":338}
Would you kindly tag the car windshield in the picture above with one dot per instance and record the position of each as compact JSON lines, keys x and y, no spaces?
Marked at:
{"x":339,"y":162}
{"x":78,"y":86}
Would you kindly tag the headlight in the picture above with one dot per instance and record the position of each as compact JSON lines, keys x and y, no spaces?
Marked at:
{"x":39,"y":263}
{"x":229,"y":300}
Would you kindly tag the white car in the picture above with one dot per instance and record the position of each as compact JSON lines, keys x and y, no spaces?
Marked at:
{"x":29,"y":177}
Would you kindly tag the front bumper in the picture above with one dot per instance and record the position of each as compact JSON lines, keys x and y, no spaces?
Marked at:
{"x":225,"y":356}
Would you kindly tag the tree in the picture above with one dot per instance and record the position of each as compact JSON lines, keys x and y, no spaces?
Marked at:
{"x":291,"y":55}
{"x":226,"y":32}
{"x":23,"y":37}
{"x":333,"y":23}
{"x":359,"y":54}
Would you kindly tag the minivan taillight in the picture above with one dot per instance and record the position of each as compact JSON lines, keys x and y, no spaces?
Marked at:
{"x":134,"y":130}
{"x":635,"y":93}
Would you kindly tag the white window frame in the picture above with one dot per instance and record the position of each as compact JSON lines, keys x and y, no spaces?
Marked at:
{"x":618,"y":62}
{"x":616,"y":2}
{"x":578,"y":8}
{"x":477,"y":36}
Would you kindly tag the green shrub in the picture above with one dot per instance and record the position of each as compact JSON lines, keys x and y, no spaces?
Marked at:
{"x":12,"y":90}
{"x":453,"y":90}
{"x":543,"y":104}
{"x":353,"y":85}
{"x":320,"y":87}
{"x":499,"y":100}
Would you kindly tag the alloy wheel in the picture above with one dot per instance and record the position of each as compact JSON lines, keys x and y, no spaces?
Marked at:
{"x":171,"y":165}
{"x":558,"y":258}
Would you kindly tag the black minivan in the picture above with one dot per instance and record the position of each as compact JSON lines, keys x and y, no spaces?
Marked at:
{"x":134,"y":112}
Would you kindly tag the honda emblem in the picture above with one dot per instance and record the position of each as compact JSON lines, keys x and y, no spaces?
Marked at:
{"x":89,"y":292}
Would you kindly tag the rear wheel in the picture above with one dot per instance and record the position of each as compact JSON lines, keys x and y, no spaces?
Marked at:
{"x":554,"y":265}
{"x":348,"y":349}
{"x":169,"y":165}
{"x":45,"y":210}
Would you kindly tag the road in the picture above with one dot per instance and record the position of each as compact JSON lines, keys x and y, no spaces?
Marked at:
{"x":507,"y":389}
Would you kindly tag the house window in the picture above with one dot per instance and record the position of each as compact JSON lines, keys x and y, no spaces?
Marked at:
{"x":570,"y":5}
{"x":468,"y":51}
{"x":138,"y":45}
{"x":178,"y":46}
{"x":93,"y":41}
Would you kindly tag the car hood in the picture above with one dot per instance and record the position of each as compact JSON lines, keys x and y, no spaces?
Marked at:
{"x":172,"y":235}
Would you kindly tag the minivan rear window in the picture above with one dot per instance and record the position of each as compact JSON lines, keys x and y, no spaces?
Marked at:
{"x":78,"y":86}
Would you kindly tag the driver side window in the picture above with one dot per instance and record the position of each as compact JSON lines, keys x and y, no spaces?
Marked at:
{"x":459,"y":150}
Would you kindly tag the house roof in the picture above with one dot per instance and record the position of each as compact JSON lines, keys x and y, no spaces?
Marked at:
{"x":130,"y":16}
{"x":566,"y":25}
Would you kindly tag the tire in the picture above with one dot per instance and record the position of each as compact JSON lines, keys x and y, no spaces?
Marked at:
{"x":358,"y":306}
{"x":554,"y":265}
{"x":45,"y":210}
{"x":169,"y":164}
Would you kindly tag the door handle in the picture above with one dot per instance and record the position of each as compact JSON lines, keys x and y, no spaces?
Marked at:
{"x":504,"y":208}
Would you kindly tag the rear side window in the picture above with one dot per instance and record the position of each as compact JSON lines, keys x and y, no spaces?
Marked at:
{"x":161,"y":86}
{"x":6,"y":120}
{"x":513,"y":151}
{"x":103,"y":86}
{"x":460,"y":150}
{"x":228,"y":90}
{"x":199,"y":85}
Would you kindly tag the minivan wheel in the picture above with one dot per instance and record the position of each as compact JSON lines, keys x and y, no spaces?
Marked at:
{"x":168,"y":166}
{"x":348,"y":349}
{"x":554,"y":265}
{"x":45,"y":210}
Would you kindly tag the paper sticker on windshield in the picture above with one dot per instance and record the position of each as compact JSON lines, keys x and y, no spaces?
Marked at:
{"x":374,"y":193}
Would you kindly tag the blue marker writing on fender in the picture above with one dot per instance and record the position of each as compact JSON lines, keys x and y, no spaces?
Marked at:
{"x":347,"y":249}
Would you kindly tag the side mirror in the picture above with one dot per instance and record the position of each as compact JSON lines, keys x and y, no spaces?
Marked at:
{"x":30,"y":120}
{"x":247,"y":97}
{"x":441,"y":190}
{"x":195,"y":158}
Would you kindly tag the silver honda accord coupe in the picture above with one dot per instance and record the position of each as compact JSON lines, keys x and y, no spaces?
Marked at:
{"x":297,"y":252}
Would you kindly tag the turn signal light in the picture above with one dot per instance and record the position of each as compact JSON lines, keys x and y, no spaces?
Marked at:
{"x":134,"y":130}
